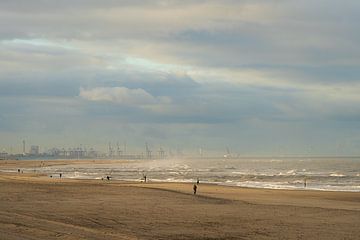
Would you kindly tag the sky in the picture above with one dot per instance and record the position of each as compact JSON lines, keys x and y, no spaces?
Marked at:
{"x":259,"y":77}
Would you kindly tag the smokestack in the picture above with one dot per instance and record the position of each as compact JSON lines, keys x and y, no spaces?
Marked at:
{"x":24,"y":151}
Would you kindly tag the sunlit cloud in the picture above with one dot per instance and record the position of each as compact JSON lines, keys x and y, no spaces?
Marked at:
{"x":122,"y":95}
{"x":37,"y":43}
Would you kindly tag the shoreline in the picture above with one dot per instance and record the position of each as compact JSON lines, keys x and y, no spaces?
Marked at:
{"x":34,"y":166}
{"x":193,"y":181}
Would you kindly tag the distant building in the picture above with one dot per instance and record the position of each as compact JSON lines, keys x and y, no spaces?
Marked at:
{"x":34,"y":150}
{"x":3,"y":155}
{"x":55,"y":152}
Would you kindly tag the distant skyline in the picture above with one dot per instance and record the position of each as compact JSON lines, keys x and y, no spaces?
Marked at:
{"x":259,"y":77}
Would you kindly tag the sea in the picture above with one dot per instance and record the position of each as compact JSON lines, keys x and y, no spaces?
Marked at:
{"x":297,"y":173}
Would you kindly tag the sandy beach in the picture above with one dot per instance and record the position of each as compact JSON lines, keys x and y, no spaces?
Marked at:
{"x":34,"y":206}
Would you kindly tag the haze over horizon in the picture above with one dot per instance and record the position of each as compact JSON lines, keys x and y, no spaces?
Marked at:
{"x":260,"y":77}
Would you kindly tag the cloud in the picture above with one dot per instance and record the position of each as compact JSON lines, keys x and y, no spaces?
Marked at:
{"x":122,"y":95}
{"x":220,"y":66}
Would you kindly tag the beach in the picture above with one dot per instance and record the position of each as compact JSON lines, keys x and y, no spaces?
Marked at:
{"x":35,"y":206}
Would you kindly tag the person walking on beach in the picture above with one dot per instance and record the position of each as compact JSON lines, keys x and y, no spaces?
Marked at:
{"x":145,"y":178}
{"x":304,"y":182}
{"x":194,"y":188}
{"x":197,"y":181}
{"x":60,"y":175}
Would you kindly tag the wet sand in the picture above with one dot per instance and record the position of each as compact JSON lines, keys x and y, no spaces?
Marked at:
{"x":38,"y":207}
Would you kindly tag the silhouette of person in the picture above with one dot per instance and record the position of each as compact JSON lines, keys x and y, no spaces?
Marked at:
{"x":198,"y":181}
{"x":60,"y":175}
{"x":194,"y":188}
{"x":305,"y":183}
{"x":18,"y":170}
{"x":107,"y":177}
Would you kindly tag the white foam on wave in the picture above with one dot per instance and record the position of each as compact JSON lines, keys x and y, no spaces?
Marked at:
{"x":291,"y":172}
{"x":337,"y":175}
{"x":276,"y":161}
{"x":285,"y":186}
{"x":288,"y":173}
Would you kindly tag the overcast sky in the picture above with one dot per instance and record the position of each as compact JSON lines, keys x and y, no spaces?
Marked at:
{"x":261,"y":77}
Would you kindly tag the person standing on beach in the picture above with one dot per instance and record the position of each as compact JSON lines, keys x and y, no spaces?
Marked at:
{"x":194,"y":188}
{"x":144,"y":178}
{"x":304,"y":182}
{"x":60,"y":175}
{"x":198,"y":181}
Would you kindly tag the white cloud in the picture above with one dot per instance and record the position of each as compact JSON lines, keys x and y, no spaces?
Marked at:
{"x":122,"y":95}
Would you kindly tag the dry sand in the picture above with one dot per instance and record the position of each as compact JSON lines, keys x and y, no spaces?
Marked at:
{"x":38,"y":207}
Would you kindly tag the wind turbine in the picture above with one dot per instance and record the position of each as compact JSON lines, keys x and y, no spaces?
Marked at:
{"x":161,"y":153}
